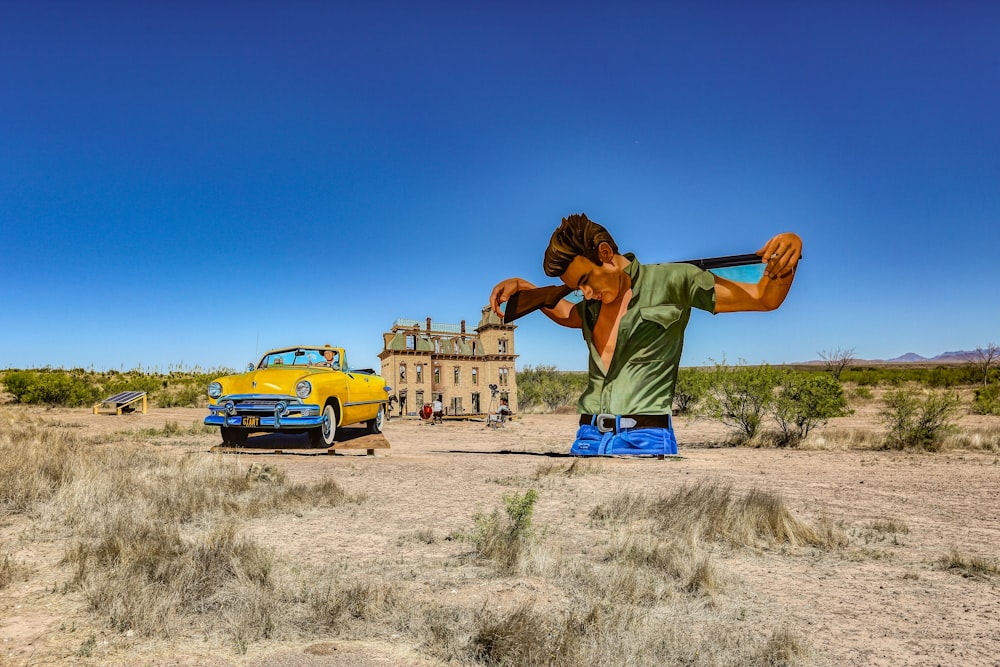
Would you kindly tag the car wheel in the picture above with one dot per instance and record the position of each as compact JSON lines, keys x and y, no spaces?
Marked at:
{"x":327,"y":433}
{"x":234,"y":437}
{"x":375,"y":425}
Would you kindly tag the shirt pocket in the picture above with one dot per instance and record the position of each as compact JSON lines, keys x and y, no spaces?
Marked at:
{"x":652,"y":338}
{"x":665,"y":316}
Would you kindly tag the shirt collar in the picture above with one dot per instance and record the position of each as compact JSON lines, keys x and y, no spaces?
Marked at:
{"x":633,"y":268}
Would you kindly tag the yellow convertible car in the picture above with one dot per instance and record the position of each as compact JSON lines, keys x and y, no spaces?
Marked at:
{"x":306,"y":389}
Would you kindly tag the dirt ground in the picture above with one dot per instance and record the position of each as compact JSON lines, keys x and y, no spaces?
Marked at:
{"x":883,"y":603}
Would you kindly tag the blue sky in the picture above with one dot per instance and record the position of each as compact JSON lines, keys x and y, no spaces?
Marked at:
{"x":188,"y":183}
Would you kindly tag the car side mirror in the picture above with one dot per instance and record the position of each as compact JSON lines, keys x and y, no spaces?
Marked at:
{"x":250,"y":367}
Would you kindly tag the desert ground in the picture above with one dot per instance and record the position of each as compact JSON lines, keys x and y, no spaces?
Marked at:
{"x":885,"y":597}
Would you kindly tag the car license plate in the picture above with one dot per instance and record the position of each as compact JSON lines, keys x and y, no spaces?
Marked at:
{"x":251,"y":421}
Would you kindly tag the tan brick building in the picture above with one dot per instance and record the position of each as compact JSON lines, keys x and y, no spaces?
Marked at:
{"x":447,"y":362}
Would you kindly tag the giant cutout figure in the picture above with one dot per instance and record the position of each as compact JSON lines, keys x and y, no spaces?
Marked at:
{"x":633,"y":317}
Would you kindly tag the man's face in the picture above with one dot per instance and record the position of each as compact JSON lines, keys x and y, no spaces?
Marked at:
{"x":597,"y":282}
{"x":328,"y":354}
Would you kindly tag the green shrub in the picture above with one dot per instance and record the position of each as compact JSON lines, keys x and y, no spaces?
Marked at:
{"x":546,"y":388}
{"x":806,"y":400}
{"x":915,"y":421}
{"x":692,"y":385}
{"x":987,"y":401}
{"x":740,"y":396}
{"x":50,"y":387}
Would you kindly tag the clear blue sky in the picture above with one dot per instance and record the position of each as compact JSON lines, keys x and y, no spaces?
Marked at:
{"x":189,"y":182}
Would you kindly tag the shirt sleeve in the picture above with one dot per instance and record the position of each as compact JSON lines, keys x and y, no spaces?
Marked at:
{"x":685,"y":285}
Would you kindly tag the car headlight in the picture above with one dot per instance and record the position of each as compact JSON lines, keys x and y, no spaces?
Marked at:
{"x":303,"y":389}
{"x":214,"y":389}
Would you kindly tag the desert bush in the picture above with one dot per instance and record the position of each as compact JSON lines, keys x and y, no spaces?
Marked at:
{"x":503,"y":538}
{"x":804,"y":401}
{"x":691,"y":387}
{"x":915,"y":421}
{"x":740,"y":396}
{"x":987,"y":400}
{"x":544,"y":388}
{"x":186,"y":396}
{"x":52,"y":388}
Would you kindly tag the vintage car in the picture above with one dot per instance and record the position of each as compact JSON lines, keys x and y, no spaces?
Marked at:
{"x":306,"y":389}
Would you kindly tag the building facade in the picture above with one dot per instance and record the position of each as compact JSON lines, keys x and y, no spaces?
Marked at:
{"x":468,"y":372}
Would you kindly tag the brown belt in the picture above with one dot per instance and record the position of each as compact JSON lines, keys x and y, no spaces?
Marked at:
{"x":605,"y":423}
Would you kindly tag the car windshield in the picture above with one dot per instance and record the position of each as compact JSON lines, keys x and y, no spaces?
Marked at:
{"x":301,"y":357}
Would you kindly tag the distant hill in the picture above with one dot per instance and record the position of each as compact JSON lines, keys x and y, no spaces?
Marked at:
{"x":956,"y":357}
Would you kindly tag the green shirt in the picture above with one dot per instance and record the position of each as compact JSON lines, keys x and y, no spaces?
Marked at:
{"x":643,"y":370}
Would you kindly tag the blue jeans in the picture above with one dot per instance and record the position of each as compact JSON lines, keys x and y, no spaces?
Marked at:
{"x":590,"y":441}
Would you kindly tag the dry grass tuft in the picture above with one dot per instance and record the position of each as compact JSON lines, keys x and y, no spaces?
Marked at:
{"x":714,"y":512}
{"x":10,"y":570}
{"x":523,"y":637}
{"x":577,"y":468}
{"x":688,"y":565}
{"x":970,"y":567}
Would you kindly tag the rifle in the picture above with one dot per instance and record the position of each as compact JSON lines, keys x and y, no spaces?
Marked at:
{"x":527,"y":301}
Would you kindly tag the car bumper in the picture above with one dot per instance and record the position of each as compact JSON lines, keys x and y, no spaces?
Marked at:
{"x":264,"y":413}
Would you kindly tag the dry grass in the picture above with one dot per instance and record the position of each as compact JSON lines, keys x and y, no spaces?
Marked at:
{"x":710,"y":511}
{"x":161,"y":546}
{"x":966,"y":438}
{"x":970,"y":567}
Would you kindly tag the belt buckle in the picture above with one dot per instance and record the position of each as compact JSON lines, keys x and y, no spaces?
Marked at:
{"x":599,"y":422}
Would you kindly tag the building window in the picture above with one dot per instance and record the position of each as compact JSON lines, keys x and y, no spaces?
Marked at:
{"x":437,"y":346}
{"x":458,"y":375}
{"x":402,"y":372}
{"x":420,"y":398}
{"x":411,"y":342}
{"x":502,"y":346}
{"x":420,"y":376}
{"x":437,"y":374}
{"x":503,"y":376}
{"x":475,"y":376}
{"x":473,"y":348}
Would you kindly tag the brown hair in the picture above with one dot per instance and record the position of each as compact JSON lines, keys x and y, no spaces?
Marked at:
{"x":577,"y":235}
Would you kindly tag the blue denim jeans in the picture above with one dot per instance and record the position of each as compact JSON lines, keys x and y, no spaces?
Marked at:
{"x":624,"y":442}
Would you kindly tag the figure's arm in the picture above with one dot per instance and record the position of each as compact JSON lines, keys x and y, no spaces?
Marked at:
{"x":563,"y":313}
{"x":781,"y":254}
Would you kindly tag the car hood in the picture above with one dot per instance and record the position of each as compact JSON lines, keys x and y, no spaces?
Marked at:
{"x":269,"y":380}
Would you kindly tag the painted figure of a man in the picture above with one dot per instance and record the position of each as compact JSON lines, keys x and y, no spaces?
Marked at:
{"x":633,"y":318}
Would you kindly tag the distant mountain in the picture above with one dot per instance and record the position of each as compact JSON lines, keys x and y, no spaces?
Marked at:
{"x":958,"y":356}
{"x":906,"y":358}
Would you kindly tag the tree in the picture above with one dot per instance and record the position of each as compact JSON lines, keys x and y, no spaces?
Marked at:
{"x":836,"y":360}
{"x":983,"y":359}
{"x":805,"y":401}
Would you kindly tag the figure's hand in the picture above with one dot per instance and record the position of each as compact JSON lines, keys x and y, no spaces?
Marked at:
{"x":506,"y":289}
{"x":781,"y":254}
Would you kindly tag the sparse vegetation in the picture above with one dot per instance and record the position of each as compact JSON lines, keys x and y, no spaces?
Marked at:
{"x":78,"y":387}
{"x":160,"y":544}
